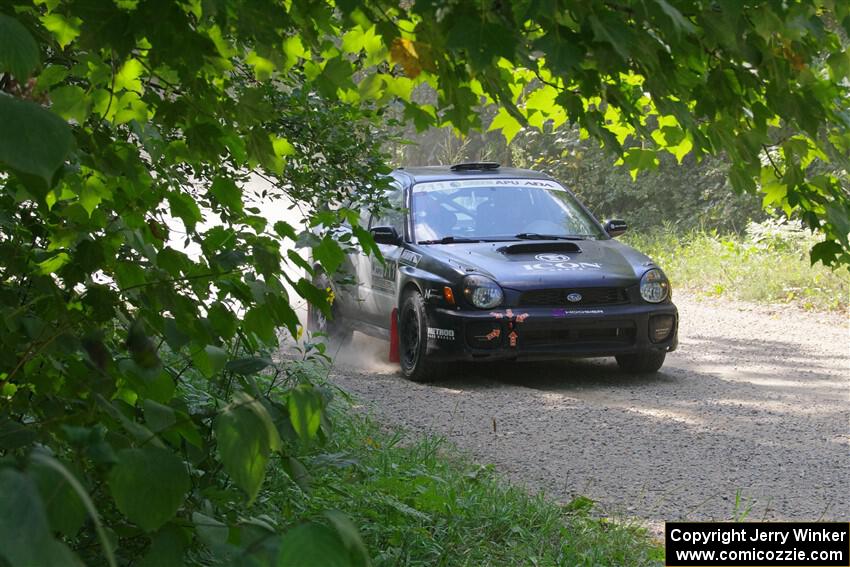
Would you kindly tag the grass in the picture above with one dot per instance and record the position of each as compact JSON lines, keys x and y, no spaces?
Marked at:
{"x":418,"y":501}
{"x":770,"y":263}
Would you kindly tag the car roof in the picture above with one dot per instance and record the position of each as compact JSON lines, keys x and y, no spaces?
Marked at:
{"x":414,"y":175}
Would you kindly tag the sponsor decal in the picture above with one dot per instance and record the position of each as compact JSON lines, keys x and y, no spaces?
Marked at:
{"x":512,"y":319}
{"x":568,"y":312}
{"x":491,"y":336}
{"x":410,"y":258}
{"x":441,"y":334}
{"x":552,"y":258}
{"x":561,"y":266}
{"x":485,"y":183}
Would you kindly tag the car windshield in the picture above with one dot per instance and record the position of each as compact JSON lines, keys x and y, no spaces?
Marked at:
{"x":498,"y":209}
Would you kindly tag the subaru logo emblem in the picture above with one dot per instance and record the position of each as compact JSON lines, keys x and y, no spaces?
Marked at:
{"x":574,"y":297}
{"x":552,"y":258}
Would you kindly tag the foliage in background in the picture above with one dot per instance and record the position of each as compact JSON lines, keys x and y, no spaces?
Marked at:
{"x":123,"y":118}
{"x":769,"y":263}
{"x":686,"y":195}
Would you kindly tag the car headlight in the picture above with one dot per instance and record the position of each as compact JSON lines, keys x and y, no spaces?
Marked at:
{"x":482,"y":292}
{"x":654,"y":286}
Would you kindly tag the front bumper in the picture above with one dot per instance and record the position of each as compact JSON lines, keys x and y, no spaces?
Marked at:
{"x":546,"y":333}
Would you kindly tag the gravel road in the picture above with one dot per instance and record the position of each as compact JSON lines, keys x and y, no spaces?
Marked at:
{"x":755,"y":403}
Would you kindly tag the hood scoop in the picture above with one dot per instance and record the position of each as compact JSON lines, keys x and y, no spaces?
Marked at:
{"x":539,"y":248}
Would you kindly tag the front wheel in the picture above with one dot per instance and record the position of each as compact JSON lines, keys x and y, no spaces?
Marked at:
{"x":413,"y":339}
{"x":642,"y":362}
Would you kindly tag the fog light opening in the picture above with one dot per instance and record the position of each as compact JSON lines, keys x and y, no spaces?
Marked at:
{"x":660,"y":328}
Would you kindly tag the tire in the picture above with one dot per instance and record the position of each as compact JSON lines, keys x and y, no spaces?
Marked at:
{"x":644,"y":362}
{"x":413,"y":340}
{"x":333,"y":328}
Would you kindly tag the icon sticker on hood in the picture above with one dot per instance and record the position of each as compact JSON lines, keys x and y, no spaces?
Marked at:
{"x":561,"y":266}
{"x":558,"y":263}
{"x":552,"y":258}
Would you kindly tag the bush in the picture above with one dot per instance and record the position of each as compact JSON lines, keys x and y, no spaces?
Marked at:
{"x":770,"y":263}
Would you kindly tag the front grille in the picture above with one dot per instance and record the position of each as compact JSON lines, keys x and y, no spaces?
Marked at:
{"x":558,"y":297}
{"x":619,"y":333}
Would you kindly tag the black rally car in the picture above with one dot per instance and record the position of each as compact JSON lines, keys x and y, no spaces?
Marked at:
{"x":483,"y":262}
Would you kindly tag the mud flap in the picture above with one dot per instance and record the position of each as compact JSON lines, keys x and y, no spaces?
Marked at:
{"x":394,"y":355}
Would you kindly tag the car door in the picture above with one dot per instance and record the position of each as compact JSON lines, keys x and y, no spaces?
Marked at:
{"x":350,"y":279}
{"x":379,"y":292}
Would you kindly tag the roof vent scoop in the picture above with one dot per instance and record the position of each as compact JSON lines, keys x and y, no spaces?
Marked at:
{"x":475,"y":166}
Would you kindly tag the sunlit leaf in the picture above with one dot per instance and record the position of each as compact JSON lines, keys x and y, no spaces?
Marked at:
{"x":246,"y":436}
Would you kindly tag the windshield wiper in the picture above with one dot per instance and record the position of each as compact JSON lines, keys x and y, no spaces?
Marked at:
{"x":536,"y":236}
{"x":449,"y":240}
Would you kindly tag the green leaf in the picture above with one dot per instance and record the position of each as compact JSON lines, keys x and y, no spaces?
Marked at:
{"x":71,"y":103}
{"x":18,"y":50}
{"x":258,"y":322}
{"x":561,"y":51}
{"x":839,"y":65}
{"x":53,"y":264}
{"x":41,"y":141}
{"x":159,"y":417}
{"x":509,"y":125}
{"x":680,"y":22}
{"x":285,"y":230}
{"x":246,"y":436}
{"x":305,"y":411}
{"x":227,"y":193}
{"x":825,"y":252}
{"x":47,"y":461}
{"x":211,"y":532}
{"x":14,"y":434}
{"x":317,"y":297}
{"x":329,"y":253}
{"x":210,"y":360}
{"x":350,"y":537}
{"x":64,"y":29}
{"x":313,"y":544}
{"x":167,"y":549}
{"x":248,"y":365}
{"x":65,"y":511}
{"x":149,"y":485}
{"x":25,"y":538}
{"x":185,"y":208}
{"x":609,"y":29}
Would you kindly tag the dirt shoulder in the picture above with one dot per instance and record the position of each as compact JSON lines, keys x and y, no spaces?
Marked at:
{"x":755,"y":403}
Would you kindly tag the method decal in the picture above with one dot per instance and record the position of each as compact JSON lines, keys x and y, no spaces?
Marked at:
{"x":441,"y":334}
{"x":410,"y":258}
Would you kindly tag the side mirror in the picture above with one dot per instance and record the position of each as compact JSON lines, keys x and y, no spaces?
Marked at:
{"x":385,"y":235}
{"x":615,"y":227}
